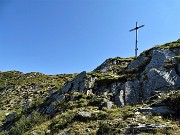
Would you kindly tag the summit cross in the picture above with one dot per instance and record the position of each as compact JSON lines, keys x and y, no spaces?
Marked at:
{"x":136,"y":28}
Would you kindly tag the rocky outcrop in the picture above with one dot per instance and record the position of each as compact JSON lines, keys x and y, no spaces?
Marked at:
{"x":160,"y":79}
{"x":150,"y":74}
{"x":146,"y":127}
{"x":78,"y":84}
{"x":156,"y":76}
{"x":153,"y":76}
{"x":140,"y":61}
{"x":50,"y":110}
{"x":158,"y":58}
{"x":113,"y":65}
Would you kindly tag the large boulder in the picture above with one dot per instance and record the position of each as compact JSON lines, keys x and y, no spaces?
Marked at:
{"x":78,"y":84}
{"x":158,"y":57}
{"x":160,"y":79}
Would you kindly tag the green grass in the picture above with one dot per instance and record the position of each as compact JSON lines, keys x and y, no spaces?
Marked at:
{"x":170,"y":45}
{"x":16,"y":87}
{"x":104,"y":121}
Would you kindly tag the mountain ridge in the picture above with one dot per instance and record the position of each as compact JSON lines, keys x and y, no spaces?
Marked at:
{"x":141,"y":85}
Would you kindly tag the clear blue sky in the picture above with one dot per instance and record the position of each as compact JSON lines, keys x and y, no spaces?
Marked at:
{"x":68,"y":36}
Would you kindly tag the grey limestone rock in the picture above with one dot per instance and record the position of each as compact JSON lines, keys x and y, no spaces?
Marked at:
{"x":160,"y":79}
{"x":119,"y":99}
{"x":146,"y":127}
{"x":85,"y":114}
{"x":104,"y":66}
{"x":132,"y":91}
{"x":50,"y":109}
{"x":78,"y":84}
{"x":90,"y":82}
{"x":33,"y":133}
{"x":155,"y":110}
{"x":141,"y":60}
{"x":58,"y":96}
{"x":67,"y":87}
{"x":158,"y":58}
{"x":108,"y":104}
{"x":82,"y":86}
{"x":116,"y":87}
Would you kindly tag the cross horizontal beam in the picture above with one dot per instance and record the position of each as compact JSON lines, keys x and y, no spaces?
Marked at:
{"x":137,"y":28}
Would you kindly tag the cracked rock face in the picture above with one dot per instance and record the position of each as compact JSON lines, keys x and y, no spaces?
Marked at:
{"x":132,"y":91}
{"x":160,"y":79}
{"x":141,"y":60}
{"x":152,"y":77}
{"x":78,"y":84}
{"x":158,"y":58}
{"x":155,"y":76}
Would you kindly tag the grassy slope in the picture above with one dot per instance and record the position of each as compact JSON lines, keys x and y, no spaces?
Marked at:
{"x":16,"y":87}
{"x":104,"y":121}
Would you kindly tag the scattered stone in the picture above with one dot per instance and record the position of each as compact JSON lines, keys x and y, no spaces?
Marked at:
{"x":6,"y":114}
{"x":108,"y":105}
{"x":48,"y":131}
{"x":85,"y":114}
{"x":89,"y":92}
{"x":88,"y":130}
{"x":137,"y":113}
{"x":145,"y":127}
{"x":159,"y":110}
{"x":33,"y":133}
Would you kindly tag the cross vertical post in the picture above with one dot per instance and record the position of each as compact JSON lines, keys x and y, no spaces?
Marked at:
{"x":136,"y":28}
